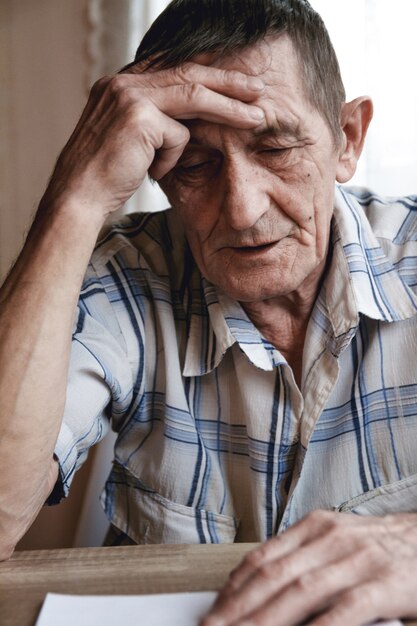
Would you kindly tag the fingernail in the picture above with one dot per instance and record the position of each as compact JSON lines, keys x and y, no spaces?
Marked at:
{"x":257,"y":114}
{"x":255,"y":83}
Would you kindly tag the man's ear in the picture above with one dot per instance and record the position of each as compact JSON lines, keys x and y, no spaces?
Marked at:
{"x":354,"y":121}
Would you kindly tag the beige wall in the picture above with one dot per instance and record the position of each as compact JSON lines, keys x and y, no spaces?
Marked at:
{"x":42,"y":91}
{"x":43,"y":69}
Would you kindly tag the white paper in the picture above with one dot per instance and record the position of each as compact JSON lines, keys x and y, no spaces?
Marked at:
{"x":169,"y":609}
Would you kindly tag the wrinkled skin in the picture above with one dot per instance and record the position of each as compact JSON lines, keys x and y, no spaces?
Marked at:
{"x":257,"y":203}
{"x":330,"y":569}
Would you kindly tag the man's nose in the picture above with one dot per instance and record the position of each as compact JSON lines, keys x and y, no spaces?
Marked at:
{"x":245,"y":196}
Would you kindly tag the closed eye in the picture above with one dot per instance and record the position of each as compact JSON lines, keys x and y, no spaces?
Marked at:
{"x":195,"y":167}
{"x":275,"y":151}
{"x":196,"y":171}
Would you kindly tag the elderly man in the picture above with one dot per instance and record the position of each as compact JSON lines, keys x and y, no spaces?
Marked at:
{"x":253,"y":347}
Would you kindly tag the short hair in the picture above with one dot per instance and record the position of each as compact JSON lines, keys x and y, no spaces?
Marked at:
{"x":187,"y":28}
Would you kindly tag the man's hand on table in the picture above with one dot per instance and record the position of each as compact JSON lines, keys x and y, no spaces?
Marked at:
{"x":330,"y":569}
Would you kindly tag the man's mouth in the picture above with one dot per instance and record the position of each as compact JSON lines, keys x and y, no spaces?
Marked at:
{"x":252,"y":249}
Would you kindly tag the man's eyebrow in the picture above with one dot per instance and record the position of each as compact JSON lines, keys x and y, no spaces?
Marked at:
{"x":279,"y":129}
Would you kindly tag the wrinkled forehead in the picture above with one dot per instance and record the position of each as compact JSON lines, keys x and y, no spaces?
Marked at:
{"x":272,"y":59}
{"x":287,"y":108}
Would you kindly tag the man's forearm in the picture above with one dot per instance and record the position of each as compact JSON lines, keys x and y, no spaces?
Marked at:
{"x":37,"y":305}
{"x":130,"y":126}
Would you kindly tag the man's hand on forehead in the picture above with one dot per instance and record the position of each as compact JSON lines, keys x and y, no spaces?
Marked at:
{"x":132,"y":125}
{"x":235,"y":84}
{"x":196,"y":91}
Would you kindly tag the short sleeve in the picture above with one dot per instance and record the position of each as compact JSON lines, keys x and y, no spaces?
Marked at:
{"x":99,"y":385}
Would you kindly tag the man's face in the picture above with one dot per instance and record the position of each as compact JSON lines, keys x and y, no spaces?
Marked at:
{"x":256,"y":205}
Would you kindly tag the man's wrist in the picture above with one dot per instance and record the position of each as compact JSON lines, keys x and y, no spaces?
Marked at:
{"x":73,"y":213}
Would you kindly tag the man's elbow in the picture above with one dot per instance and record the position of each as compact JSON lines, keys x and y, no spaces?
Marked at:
{"x":6,"y":549}
{"x":12,"y":530}
{"x":16,"y":519}
{"x":13,"y":526}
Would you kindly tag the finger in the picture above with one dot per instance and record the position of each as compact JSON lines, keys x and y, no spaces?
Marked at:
{"x":359,"y":606}
{"x":161,"y":138}
{"x":278,"y":564}
{"x":385,"y":597}
{"x":231,"y":82}
{"x":186,"y":102}
{"x":311,"y":593}
{"x":355,"y":590}
{"x":371,"y":561}
{"x":195,"y":101}
{"x":174,"y":139}
{"x":315,"y":525}
{"x":299,"y":582}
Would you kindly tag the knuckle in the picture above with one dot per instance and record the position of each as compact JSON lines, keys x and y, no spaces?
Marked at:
{"x":349,"y":603}
{"x":113,"y":85}
{"x":255,"y":558}
{"x":369,"y":596}
{"x":370,"y":552}
{"x":232,"y":77}
{"x":116,"y":85}
{"x":236,"y":107}
{"x":181,"y":73}
{"x":135,"y":108}
{"x":334,"y":534}
{"x":306,"y":584}
{"x":328,"y":521}
{"x":139,"y":114}
{"x":100,"y":83}
{"x":126,"y":97}
{"x":181,"y":135}
{"x":194,"y":91}
{"x":361,"y":597}
{"x":331,"y":618}
{"x":267,"y":572}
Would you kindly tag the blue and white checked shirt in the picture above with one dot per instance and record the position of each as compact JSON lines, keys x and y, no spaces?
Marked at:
{"x":216,"y":442}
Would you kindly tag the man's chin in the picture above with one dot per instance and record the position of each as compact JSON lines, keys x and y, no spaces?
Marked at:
{"x":247,"y":293}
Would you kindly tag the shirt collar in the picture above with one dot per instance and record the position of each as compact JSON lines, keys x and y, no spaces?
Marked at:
{"x":361,"y":278}
{"x":220,"y":323}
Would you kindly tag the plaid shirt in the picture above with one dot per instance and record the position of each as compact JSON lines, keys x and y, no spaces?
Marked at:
{"x":215,"y":440}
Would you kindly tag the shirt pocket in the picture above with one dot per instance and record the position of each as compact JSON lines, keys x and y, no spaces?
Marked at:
{"x":398,"y":497}
{"x":148,"y":517}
